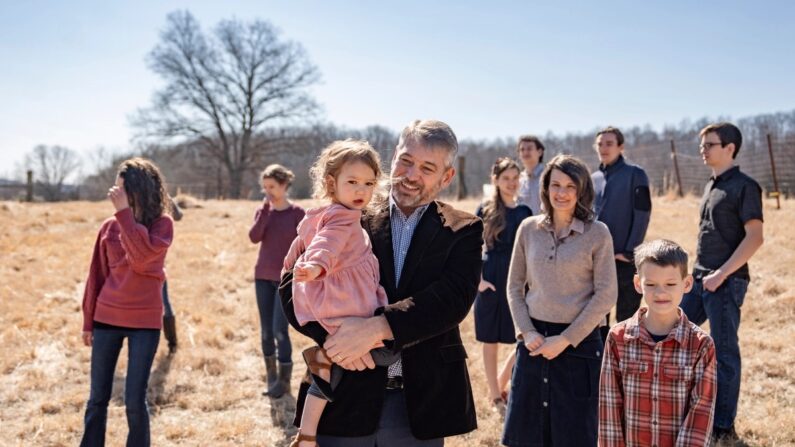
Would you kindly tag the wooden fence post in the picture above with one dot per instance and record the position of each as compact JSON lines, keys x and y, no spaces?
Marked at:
{"x":462,"y":187}
{"x":776,"y":193}
{"x":29,"y":193}
{"x":680,"y":192}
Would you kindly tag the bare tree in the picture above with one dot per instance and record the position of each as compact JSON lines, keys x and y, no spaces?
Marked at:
{"x":51,"y":166}
{"x":223,"y":88}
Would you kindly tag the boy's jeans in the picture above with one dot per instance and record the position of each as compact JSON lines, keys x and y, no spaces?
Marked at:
{"x":141,"y":347}
{"x":722,"y":308}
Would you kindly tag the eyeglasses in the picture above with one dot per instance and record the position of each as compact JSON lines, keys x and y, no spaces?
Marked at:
{"x":708,"y":146}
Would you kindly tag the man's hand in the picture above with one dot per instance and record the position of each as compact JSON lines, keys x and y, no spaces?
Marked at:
{"x":88,"y":337}
{"x":360,"y":364}
{"x":714,"y":280}
{"x":485,"y":285}
{"x":306,"y":272}
{"x":552,"y":347}
{"x":622,"y":258}
{"x":355,"y":337}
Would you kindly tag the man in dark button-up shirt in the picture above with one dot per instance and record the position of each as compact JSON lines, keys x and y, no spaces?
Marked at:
{"x":730,"y":232}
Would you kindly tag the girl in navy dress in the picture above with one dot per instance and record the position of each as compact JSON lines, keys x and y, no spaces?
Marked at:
{"x":501,"y":216}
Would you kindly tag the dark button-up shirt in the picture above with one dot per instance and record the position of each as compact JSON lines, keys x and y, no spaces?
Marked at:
{"x":730,"y":200}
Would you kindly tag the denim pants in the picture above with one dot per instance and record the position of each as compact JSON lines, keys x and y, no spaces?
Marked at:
{"x":555,"y":402}
{"x":141,"y":347}
{"x":273,"y":323}
{"x":167,"y":310}
{"x":722,"y":309}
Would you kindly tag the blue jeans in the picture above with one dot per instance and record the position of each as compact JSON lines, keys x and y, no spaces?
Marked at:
{"x":722,"y":309}
{"x":167,"y":310}
{"x":273,"y":323}
{"x":141,"y":347}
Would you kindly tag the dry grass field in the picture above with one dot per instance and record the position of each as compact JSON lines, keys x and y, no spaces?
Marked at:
{"x":209,"y":392}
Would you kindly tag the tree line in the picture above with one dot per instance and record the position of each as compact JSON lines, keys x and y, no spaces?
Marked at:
{"x":236,"y":98}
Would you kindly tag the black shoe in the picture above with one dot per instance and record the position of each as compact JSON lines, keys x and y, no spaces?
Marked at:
{"x":724,"y":436}
{"x":170,"y":331}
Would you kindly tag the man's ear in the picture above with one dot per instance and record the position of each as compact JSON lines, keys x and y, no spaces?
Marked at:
{"x":448,"y":177}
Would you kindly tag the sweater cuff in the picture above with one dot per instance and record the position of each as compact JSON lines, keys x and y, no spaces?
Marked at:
{"x":574,"y":335}
{"x":125,"y":218}
{"x":524,"y":326}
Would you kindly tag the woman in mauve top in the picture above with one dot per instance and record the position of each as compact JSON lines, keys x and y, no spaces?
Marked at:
{"x":561,"y":283}
{"x":123,"y":297}
{"x":274,"y":228}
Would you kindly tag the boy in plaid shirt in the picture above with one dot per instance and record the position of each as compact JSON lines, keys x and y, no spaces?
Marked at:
{"x":658,"y":380}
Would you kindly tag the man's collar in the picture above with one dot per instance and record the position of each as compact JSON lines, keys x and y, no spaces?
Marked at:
{"x":726,"y":175}
{"x":393,"y":207}
{"x":616,"y":165}
{"x":536,"y":171}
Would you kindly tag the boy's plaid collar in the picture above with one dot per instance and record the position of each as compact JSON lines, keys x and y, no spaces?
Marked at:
{"x":636,"y":329}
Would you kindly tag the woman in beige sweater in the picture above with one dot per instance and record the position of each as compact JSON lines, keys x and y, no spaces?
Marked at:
{"x":561,"y":283}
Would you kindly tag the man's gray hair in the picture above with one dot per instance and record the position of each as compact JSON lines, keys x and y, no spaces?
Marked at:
{"x":432,"y":134}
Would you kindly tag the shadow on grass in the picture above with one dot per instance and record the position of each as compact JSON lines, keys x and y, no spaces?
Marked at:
{"x":157,"y":384}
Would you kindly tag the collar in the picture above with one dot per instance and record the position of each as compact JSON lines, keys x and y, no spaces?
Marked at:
{"x":536,"y":171}
{"x":619,"y":163}
{"x":727,"y":174}
{"x":635,"y":328}
{"x":393,"y":208}
{"x":575,"y":225}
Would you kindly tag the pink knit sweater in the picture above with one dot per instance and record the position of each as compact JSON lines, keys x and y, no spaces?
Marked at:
{"x":126,"y":276}
{"x":333,"y":238}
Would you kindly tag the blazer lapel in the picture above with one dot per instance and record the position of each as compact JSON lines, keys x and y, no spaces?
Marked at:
{"x":426,"y":230}
{"x":379,"y":227}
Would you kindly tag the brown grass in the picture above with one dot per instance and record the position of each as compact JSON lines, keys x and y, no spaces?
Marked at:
{"x":209,"y":393}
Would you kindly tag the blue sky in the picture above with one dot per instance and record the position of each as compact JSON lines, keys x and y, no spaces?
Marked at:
{"x":73,"y":72}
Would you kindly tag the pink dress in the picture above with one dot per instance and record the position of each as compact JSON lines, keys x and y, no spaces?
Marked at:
{"x":333,"y":238}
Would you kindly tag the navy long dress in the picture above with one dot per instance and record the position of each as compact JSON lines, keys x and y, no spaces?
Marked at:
{"x":493,"y":321}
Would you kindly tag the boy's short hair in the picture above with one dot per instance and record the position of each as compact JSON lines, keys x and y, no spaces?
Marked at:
{"x":614,"y":131}
{"x":532,"y":139}
{"x":663,"y":253}
{"x":728,"y":134}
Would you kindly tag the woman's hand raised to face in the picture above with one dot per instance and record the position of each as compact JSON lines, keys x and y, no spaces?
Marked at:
{"x":117,"y":196}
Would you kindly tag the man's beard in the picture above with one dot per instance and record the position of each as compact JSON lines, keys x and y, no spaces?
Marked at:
{"x":423,"y":196}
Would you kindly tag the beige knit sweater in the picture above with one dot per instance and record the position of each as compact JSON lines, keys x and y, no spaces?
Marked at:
{"x":571,"y":279}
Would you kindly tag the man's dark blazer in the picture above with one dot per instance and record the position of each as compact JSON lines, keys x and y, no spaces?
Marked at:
{"x":441,"y":272}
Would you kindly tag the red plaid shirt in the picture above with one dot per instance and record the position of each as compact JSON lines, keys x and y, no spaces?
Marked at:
{"x":657,"y":394}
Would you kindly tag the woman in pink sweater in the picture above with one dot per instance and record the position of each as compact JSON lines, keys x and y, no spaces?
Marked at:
{"x":335,"y":273}
{"x":123,"y":297}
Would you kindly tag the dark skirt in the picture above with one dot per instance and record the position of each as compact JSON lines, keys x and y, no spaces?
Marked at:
{"x":493,"y":320}
{"x":555,"y":402}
